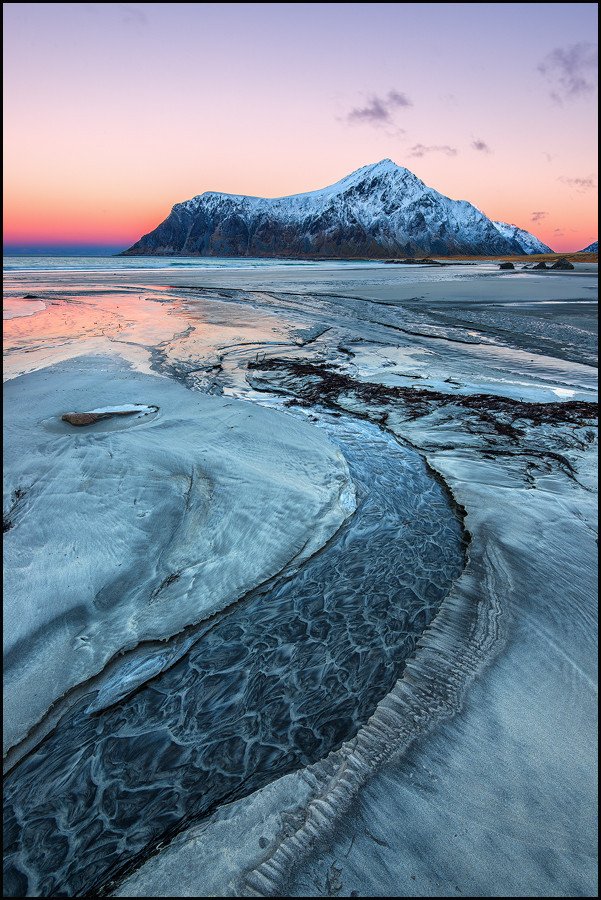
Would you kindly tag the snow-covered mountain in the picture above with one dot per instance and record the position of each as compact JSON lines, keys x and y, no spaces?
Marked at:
{"x":528,"y":242}
{"x":592,"y":248}
{"x":379,"y":211}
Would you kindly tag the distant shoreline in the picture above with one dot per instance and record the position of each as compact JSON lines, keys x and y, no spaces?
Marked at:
{"x":110,"y":254}
{"x":574,"y":256}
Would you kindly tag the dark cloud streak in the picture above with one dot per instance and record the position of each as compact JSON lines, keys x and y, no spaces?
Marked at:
{"x":580,"y":184}
{"x":396,"y":98}
{"x":379,"y":109}
{"x":419,"y":150}
{"x":570,"y":71}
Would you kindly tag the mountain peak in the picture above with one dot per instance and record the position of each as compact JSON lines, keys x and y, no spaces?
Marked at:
{"x":386,"y":172}
{"x":383,"y":164}
{"x":384,"y":167}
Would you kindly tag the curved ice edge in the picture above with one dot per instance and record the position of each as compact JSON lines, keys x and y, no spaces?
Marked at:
{"x":137,"y":671}
{"x":452,"y":650}
{"x":461,"y":641}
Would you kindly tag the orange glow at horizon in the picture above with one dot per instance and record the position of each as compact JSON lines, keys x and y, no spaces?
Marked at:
{"x":50,"y":219}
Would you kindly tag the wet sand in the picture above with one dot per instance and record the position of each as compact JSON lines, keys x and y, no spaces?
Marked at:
{"x":484,"y":748}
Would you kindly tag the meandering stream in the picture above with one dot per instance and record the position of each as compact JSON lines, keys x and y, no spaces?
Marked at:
{"x":286,"y":676}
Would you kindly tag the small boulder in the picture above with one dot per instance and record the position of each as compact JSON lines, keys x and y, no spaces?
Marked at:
{"x":83,"y":418}
{"x":562,"y":264}
{"x":540,"y":265}
{"x":506,"y":265}
{"x":90,"y":418}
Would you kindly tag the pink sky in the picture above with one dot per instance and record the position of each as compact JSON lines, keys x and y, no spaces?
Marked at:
{"x":115,"y":112}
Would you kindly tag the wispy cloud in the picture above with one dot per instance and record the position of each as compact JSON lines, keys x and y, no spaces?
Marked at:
{"x":549,"y":156}
{"x":570,"y":71}
{"x":379,"y":110}
{"x":132,"y":15}
{"x":128,"y":14}
{"x":481,"y":146}
{"x":539,"y":216}
{"x":579,"y":184}
{"x":396,"y":98}
{"x":419,"y":150}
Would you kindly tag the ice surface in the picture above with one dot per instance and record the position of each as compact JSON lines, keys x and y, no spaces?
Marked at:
{"x":121,"y":536}
{"x":475,"y":775}
{"x":288,"y":675}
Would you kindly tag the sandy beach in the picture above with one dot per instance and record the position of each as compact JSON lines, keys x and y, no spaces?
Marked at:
{"x":161,"y":569}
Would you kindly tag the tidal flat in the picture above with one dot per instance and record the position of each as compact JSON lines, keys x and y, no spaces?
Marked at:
{"x":308,"y":606}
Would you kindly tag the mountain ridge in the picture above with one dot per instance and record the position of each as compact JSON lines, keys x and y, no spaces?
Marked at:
{"x":377,"y":211}
{"x":529,"y":242}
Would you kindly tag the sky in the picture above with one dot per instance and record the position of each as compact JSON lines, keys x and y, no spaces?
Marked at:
{"x":114,"y":112}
